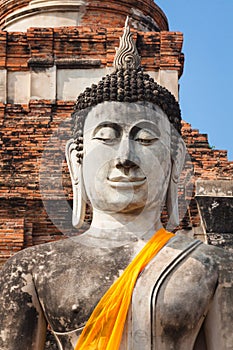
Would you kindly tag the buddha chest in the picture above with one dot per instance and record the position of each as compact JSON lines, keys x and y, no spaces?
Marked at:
{"x":171,"y":299}
{"x":168,"y":306}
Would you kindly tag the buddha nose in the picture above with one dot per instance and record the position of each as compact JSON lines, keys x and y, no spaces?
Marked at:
{"x":126,"y":164}
{"x":126,"y":156}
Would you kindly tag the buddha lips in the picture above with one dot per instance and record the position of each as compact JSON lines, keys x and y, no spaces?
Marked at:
{"x":105,"y":326}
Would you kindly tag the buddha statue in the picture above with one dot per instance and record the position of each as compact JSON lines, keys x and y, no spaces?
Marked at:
{"x":125,"y":158}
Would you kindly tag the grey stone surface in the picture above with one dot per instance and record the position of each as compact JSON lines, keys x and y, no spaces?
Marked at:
{"x":50,"y":343}
{"x":215,"y":202}
{"x":217,"y":214}
{"x":214,"y":188}
{"x":45,"y":277}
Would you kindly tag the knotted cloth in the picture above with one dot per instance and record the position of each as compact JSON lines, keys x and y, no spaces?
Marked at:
{"x":104,"y":329}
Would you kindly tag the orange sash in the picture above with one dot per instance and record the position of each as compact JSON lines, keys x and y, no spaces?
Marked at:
{"x":105,"y":326}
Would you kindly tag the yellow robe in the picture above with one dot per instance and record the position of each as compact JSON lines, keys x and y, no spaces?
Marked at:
{"x":105,"y":326}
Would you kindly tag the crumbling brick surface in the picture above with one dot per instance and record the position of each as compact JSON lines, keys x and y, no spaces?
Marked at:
{"x":44,"y":46}
{"x":103,"y":13}
{"x":8,"y":6}
{"x":209,"y":163}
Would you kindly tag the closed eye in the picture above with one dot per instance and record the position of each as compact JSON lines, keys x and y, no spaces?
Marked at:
{"x":145,"y":137}
{"x":106,"y":134}
{"x":145,"y":142}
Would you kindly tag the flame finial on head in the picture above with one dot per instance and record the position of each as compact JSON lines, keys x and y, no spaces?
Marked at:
{"x":127,"y":54}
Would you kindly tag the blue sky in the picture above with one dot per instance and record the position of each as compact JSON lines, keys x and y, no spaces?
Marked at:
{"x":206,"y":87}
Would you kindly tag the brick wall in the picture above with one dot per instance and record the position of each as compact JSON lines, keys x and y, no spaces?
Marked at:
{"x":8,"y":6}
{"x":44,"y":46}
{"x":115,"y":13}
{"x":101,"y":13}
{"x":208,"y":164}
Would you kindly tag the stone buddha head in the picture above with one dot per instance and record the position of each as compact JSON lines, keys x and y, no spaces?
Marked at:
{"x":126,"y":154}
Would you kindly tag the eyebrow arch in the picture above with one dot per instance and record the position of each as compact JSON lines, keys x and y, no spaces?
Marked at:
{"x":105,"y":124}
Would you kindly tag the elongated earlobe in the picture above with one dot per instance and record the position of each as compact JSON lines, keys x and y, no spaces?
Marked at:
{"x":172,"y":192}
{"x":172,"y":206}
{"x":79,"y":193}
{"x":79,"y":202}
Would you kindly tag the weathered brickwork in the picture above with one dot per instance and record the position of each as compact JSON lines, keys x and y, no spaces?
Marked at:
{"x":45,"y":47}
{"x":104,"y":13}
{"x":115,"y":13}
{"x":210,"y":164}
{"x":24,"y":133}
{"x":11,"y":236}
{"x":9,"y":6}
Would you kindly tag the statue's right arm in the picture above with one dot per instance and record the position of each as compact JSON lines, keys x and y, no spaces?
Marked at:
{"x":22,"y":324}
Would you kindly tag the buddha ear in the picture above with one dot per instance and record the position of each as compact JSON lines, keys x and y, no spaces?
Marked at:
{"x":172,"y":193}
{"x":79,"y":193}
{"x":72,"y":162}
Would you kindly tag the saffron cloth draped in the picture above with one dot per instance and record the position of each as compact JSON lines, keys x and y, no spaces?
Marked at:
{"x":105,"y":326}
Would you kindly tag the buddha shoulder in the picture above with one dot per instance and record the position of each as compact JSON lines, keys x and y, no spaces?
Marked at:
{"x":67,"y":255}
{"x":201,"y":260}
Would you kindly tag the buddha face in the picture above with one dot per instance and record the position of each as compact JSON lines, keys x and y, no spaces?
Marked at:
{"x":127,"y":156}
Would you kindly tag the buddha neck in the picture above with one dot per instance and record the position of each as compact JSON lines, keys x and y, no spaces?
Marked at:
{"x":117,"y":229}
